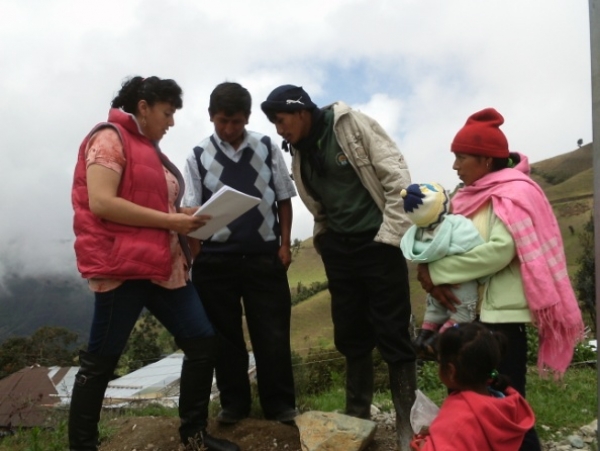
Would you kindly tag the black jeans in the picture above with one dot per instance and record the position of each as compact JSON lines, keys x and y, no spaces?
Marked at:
{"x":259,"y":282}
{"x":116,"y":312}
{"x":370,"y":296}
{"x":514,"y":365}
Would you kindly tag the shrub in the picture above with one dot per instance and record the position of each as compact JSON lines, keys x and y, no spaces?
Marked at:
{"x":315,"y":374}
{"x":428,"y":378}
{"x":324,"y":368}
{"x":303,"y":293}
{"x":585,"y":278}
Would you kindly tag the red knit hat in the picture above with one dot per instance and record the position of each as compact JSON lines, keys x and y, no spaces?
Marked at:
{"x":481,"y":135}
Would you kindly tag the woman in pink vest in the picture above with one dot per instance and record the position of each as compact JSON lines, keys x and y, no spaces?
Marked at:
{"x":131,"y":246}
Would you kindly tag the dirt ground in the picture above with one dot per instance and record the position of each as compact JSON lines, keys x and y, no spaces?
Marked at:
{"x":160,"y":434}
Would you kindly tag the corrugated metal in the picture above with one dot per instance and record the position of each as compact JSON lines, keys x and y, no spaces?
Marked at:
{"x":63,"y":379}
{"x":150,"y":382}
{"x":24,"y":396}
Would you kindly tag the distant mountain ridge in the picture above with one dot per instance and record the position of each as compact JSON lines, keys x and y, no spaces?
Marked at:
{"x":30,"y":302}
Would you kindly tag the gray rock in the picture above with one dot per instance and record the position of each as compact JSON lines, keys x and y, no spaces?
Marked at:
{"x":584,"y":439}
{"x":330,"y":431}
{"x":576,"y":441}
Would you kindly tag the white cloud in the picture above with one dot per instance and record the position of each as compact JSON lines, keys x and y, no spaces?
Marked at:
{"x":419,"y":67}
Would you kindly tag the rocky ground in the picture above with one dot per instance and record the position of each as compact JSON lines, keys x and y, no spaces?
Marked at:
{"x":582,"y":439}
{"x":160,"y":434}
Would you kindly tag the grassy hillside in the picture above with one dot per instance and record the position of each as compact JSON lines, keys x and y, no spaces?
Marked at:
{"x":566,"y":179}
{"x":580,"y":185}
{"x":306,"y":266}
{"x":562,"y":167}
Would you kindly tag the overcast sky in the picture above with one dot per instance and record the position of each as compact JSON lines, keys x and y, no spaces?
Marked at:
{"x":419,"y":67}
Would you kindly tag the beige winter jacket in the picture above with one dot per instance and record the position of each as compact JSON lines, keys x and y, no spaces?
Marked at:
{"x":379,"y":165}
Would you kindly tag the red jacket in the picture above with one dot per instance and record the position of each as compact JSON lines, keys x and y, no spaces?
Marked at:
{"x":116,"y":251}
{"x":468,"y":421}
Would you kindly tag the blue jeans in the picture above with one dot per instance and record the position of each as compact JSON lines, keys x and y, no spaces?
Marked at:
{"x":116,"y":312}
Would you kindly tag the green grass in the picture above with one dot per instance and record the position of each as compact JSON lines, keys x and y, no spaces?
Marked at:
{"x":306,"y":267}
{"x":311,"y":323}
{"x":564,"y":406}
{"x":561,"y":407}
{"x":55,"y":438}
{"x":562,"y":167}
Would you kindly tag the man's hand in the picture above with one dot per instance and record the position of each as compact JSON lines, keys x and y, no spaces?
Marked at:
{"x":285,"y":255}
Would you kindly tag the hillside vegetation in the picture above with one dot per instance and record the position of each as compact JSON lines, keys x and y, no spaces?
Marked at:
{"x":28,"y":302}
{"x":567,"y":181}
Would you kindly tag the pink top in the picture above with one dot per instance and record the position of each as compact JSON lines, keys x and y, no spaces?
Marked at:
{"x":106,"y":149}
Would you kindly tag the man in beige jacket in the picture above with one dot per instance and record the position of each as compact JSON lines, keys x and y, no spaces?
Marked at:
{"x":349,"y":173}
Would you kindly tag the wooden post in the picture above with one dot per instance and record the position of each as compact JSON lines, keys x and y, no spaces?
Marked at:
{"x":594,"y":8}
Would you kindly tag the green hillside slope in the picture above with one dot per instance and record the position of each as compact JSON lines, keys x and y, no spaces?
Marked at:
{"x":28,"y":302}
{"x":557,"y":169}
{"x":566,"y":179}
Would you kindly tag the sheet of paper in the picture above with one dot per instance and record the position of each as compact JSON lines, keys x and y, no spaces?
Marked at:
{"x":226,"y":205}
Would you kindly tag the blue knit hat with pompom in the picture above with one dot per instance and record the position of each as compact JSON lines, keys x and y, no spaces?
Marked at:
{"x":425,"y":203}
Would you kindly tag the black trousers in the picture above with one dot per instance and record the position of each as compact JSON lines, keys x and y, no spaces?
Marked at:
{"x":259,"y":282}
{"x":514,"y":365}
{"x":370,"y":296}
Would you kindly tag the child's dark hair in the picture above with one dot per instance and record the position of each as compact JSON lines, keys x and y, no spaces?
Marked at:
{"x":151,"y":89}
{"x":230,"y":98}
{"x":475,"y":351}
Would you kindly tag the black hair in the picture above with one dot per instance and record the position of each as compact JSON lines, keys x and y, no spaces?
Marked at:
{"x":475,"y":351}
{"x":272,"y":114}
{"x":151,"y":89}
{"x":499,"y":163}
{"x":230,"y":98}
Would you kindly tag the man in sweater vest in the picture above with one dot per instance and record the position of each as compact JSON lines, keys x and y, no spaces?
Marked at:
{"x":242,"y":268}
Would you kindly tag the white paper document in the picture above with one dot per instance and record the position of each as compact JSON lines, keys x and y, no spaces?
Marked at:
{"x":226,"y":205}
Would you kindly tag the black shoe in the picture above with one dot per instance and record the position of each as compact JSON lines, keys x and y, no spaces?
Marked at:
{"x":426,"y":345}
{"x":207,"y":442}
{"x":218,"y":444}
{"x":285,"y":417}
{"x":229,"y":417}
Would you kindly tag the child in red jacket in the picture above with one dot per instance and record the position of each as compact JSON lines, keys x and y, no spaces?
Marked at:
{"x":482,"y":413}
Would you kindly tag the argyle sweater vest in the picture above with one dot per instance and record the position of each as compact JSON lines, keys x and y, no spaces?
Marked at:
{"x":257,"y":230}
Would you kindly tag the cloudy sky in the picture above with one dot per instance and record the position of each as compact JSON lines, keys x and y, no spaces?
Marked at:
{"x":420,"y":67}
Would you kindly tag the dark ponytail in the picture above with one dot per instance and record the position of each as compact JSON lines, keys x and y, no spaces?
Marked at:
{"x":475,"y":352}
{"x":151,"y":89}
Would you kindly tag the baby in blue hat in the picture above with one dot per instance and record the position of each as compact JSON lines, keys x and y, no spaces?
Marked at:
{"x":435,"y":234}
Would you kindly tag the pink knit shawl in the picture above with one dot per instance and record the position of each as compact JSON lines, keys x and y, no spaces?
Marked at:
{"x":523,"y":207}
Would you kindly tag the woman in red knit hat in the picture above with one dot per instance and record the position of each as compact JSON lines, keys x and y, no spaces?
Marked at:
{"x":523,"y":255}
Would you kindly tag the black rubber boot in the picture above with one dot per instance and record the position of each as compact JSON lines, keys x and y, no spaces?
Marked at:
{"x":403,"y":383}
{"x":86,"y":399}
{"x":426,"y":345}
{"x":359,"y":386}
{"x":194,"y":395}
